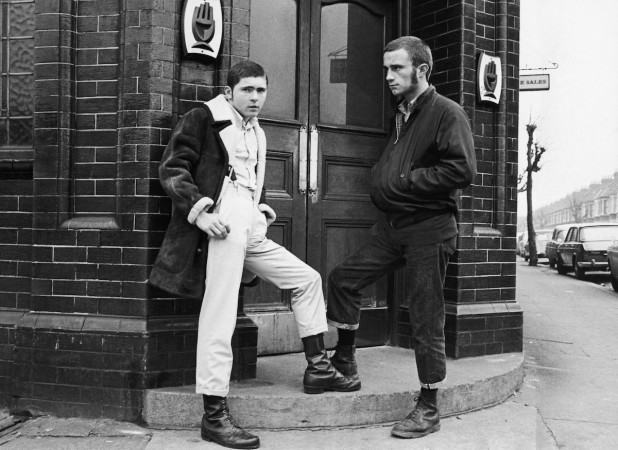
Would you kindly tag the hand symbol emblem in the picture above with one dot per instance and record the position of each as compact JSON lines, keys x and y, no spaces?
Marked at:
{"x":203,"y":24}
{"x":491,"y":78}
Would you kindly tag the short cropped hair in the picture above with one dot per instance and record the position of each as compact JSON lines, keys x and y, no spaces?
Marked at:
{"x":418,"y":51}
{"x":244,"y":69}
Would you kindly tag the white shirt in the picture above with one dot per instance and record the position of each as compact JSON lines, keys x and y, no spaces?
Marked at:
{"x":245,"y":160}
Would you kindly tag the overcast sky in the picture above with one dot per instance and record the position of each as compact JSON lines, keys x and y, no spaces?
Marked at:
{"x":577,"y":118}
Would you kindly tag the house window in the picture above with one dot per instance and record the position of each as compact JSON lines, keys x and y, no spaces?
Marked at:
{"x":17,"y":84}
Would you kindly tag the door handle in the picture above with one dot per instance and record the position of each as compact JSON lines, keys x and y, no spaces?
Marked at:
{"x":302,"y":163}
{"x":313,"y":164}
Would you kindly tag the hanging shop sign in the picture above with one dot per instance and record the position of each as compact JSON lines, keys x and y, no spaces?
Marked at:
{"x":202,"y":27}
{"x":339,"y":65}
{"x":538,"y":82}
{"x":489,"y":78}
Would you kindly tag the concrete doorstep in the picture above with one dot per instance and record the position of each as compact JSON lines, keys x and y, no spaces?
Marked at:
{"x":275,"y":399}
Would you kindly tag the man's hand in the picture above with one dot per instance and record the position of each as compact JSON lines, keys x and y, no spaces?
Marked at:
{"x":212,"y":225}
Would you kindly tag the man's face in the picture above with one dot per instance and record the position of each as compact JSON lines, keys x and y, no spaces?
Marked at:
{"x":401,"y":75}
{"x":248,"y":96}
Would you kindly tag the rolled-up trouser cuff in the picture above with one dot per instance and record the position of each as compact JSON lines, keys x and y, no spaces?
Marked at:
{"x":437,"y":385}
{"x":215,"y":392}
{"x":343,"y":326}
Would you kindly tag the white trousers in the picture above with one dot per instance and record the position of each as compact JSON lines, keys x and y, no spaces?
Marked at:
{"x":247,"y":245}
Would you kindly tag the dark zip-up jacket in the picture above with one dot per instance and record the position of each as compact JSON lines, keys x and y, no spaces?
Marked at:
{"x":421,"y":170}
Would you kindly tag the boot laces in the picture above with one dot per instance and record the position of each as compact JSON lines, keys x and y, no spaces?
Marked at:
{"x":417,"y":408}
{"x":227,"y":414}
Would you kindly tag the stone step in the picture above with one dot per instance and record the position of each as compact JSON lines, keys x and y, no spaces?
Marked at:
{"x":275,"y":399}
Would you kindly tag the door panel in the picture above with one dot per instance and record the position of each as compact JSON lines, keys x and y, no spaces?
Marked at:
{"x":325,"y":123}
{"x":349,"y":113}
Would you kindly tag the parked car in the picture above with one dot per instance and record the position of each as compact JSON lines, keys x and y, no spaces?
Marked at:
{"x":585,"y":248}
{"x":612,"y":261}
{"x":542,"y":237}
{"x":557,"y":238}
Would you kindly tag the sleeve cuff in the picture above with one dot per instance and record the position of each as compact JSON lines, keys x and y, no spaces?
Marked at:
{"x":201,"y":205}
{"x":270,"y":213}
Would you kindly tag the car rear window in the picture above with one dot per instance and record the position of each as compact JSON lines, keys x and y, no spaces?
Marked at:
{"x":608,"y":233}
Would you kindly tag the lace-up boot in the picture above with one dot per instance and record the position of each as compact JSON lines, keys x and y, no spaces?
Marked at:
{"x":320,"y":374}
{"x":423,"y":420}
{"x":218,"y":426}
{"x":344,"y":361}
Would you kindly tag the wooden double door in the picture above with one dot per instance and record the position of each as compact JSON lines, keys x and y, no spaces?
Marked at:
{"x":326,"y":122}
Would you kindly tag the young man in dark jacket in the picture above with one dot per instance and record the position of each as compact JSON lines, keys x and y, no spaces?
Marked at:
{"x":213,"y":169}
{"x":430,"y":155}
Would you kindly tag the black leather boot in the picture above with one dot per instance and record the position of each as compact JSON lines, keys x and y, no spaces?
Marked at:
{"x":321,"y":375}
{"x":344,"y":361}
{"x":423,"y":420}
{"x":218,"y":426}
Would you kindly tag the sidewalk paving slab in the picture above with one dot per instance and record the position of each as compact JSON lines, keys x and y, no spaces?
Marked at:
{"x":508,"y":426}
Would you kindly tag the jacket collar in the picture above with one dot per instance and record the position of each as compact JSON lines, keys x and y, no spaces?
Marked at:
{"x":419,"y":102}
{"x":222,"y":112}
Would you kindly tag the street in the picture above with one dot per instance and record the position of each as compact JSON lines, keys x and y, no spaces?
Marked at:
{"x":571,"y":356}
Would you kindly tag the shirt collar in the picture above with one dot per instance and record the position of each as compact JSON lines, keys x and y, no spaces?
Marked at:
{"x":240,"y":123}
{"x":405,"y":107}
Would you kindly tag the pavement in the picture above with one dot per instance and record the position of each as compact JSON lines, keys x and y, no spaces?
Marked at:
{"x":475,"y":403}
{"x":484,"y":403}
{"x":275,"y":399}
{"x":508,"y":426}
{"x":571,"y":355}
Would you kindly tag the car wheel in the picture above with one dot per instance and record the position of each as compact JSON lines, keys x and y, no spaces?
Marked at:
{"x":614,"y":278}
{"x":562,"y":270}
{"x":580,"y":272}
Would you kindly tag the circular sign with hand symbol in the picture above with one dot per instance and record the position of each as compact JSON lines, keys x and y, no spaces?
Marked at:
{"x":489,"y":72}
{"x":202,"y":27}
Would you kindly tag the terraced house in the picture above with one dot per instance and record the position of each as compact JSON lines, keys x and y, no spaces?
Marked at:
{"x":90,"y":92}
{"x":595,"y":203}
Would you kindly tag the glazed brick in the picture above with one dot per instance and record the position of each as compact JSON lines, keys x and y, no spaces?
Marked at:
{"x":482,"y":337}
{"x":88,"y":238}
{"x":69,"y":254}
{"x":86,"y":271}
{"x":123,"y":307}
{"x":53,"y":303}
{"x":53,"y":270}
{"x":123,"y":272}
{"x":73,"y":287}
{"x":487,"y":295}
{"x":15,"y":284}
{"x":97,"y":8}
{"x":104,"y":288}
{"x":8,"y":268}
{"x":77,"y":376}
{"x":108,"y":255}
{"x":488,"y":269}
{"x":87,"y":305}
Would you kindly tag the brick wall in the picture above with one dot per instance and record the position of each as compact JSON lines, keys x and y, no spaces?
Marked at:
{"x":15,"y":261}
{"x":482,"y":315}
{"x":81,"y":332}
{"x":110,"y":85}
